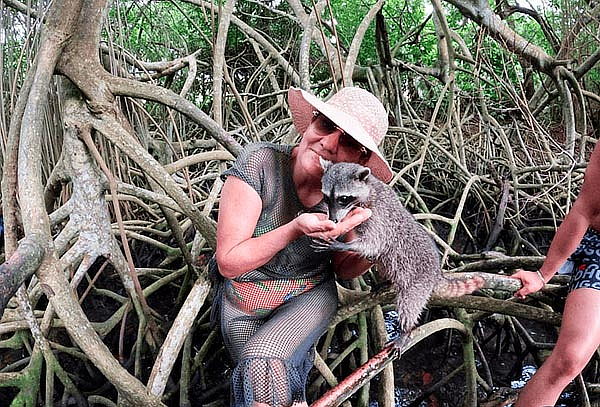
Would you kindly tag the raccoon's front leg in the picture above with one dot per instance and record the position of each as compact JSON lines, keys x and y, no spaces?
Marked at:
{"x":321,"y":245}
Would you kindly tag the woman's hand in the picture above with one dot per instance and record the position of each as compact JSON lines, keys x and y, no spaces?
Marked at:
{"x":347,"y":265}
{"x":354,"y":218}
{"x":530,"y":280}
{"x":317,"y":225}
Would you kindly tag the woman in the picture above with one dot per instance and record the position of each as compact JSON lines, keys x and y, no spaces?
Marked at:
{"x":579,"y":335}
{"x":279,"y":294}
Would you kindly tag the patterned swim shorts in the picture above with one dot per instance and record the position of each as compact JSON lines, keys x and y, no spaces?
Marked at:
{"x":259,"y":298}
{"x":586,"y":260}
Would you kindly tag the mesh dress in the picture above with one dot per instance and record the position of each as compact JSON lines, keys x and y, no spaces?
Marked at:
{"x":272,"y":316}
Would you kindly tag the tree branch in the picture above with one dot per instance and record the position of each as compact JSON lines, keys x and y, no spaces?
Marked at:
{"x":357,"y":41}
{"x":21,"y":264}
{"x":481,"y":13}
{"x":126,"y":87}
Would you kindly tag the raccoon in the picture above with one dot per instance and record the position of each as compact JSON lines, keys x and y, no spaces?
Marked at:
{"x":391,"y":238}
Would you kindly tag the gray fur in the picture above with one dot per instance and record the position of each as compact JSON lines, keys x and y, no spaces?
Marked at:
{"x":404,"y":252}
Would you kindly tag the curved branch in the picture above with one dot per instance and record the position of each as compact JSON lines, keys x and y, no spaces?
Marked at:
{"x":377,"y":363}
{"x":146,"y":194}
{"x":546,"y":28}
{"x":193,"y":159}
{"x":21,"y":264}
{"x":127,"y":87}
{"x":357,"y":41}
{"x":481,"y":13}
{"x":160,"y":68}
{"x":568,"y":108}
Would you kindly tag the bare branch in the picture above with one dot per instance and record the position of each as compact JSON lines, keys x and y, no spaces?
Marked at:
{"x":252,"y":33}
{"x":125,"y":87}
{"x":369,"y":370}
{"x":357,"y":41}
{"x":21,"y":265}
{"x":548,"y":31}
{"x":219,"y":59}
{"x":482,"y":14}
{"x":177,"y":334}
{"x":588,"y":64}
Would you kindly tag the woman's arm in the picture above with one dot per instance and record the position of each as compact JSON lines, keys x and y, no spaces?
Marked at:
{"x":240,"y":207}
{"x":585,"y":210}
{"x":348,"y":265}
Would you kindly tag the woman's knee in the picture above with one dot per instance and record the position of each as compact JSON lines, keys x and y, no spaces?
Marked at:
{"x":566,"y":363}
{"x":262,"y":381}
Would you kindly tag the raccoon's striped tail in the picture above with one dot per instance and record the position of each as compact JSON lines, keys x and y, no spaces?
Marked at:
{"x":455,"y":287}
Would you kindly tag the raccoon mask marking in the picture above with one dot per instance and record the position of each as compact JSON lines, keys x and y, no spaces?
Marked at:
{"x":344,"y":190}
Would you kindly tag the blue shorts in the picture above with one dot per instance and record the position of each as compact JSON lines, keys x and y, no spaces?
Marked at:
{"x":586,"y":262}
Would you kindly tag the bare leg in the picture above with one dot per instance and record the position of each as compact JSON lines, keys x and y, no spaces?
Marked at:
{"x":578,"y":339}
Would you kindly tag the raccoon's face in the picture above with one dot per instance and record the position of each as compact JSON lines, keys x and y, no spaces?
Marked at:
{"x":345,"y":187}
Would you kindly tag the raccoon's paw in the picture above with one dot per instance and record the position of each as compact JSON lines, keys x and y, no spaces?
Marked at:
{"x":401,"y":341}
{"x":320,"y":245}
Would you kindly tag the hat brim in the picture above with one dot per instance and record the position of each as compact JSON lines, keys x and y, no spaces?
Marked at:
{"x":303,"y":104}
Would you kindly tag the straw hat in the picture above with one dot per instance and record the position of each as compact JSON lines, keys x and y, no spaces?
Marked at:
{"x":356,"y":111}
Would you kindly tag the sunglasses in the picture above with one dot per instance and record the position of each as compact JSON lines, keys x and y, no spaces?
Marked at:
{"x":324,"y":126}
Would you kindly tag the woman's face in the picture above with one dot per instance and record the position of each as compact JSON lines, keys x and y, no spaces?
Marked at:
{"x":325,"y":139}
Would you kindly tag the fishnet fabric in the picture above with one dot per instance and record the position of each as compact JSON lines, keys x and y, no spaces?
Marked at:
{"x":273,"y":348}
{"x":274,"y":353}
{"x":266,"y":167}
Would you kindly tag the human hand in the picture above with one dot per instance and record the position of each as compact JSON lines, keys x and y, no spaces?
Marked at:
{"x":318,"y":226}
{"x":530,"y":280}
{"x":354,"y":218}
{"x":315,"y":225}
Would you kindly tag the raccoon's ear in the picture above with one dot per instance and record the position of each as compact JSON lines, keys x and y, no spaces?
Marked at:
{"x":363,"y":174}
{"x":325,"y":164}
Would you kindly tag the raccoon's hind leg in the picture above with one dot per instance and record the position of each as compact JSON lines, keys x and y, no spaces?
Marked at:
{"x":401,"y":340}
{"x":410,"y":305}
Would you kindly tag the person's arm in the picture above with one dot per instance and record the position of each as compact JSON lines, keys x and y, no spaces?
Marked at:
{"x":240,"y":207}
{"x":569,"y":234}
{"x":348,"y":265}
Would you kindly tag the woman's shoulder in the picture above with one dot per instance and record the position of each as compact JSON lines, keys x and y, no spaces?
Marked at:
{"x":258,"y":160}
{"x":263,"y":153}
{"x":267,"y":148}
